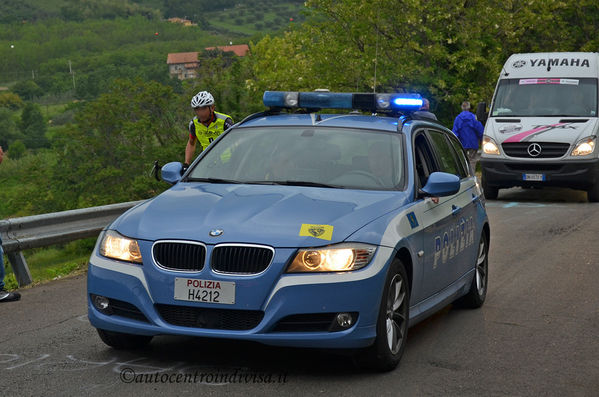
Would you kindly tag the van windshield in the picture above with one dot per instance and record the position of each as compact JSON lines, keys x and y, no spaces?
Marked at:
{"x":569,"y":97}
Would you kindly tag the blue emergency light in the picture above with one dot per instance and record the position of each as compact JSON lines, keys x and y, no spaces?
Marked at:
{"x":398,"y":102}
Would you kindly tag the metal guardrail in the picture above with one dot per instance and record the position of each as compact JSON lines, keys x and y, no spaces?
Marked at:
{"x":36,"y":231}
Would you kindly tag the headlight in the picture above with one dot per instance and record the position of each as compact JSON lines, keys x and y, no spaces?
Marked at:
{"x":584,"y":147}
{"x":337,"y":258}
{"x":489,"y":146}
{"x":119,"y":247}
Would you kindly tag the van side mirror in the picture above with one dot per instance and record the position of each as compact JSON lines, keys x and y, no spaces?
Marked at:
{"x":481,"y":112}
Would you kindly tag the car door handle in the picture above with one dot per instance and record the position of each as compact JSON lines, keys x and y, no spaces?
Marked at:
{"x":455,"y":210}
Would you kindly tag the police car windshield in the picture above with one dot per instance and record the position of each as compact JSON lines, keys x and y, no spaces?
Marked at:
{"x":305,"y":156}
{"x":570,"y":97}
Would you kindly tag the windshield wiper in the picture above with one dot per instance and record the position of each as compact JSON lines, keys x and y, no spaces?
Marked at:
{"x":211,"y":180}
{"x":305,"y":183}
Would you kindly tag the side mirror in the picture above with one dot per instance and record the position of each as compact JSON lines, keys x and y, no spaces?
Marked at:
{"x":481,"y":112}
{"x":171,"y":172}
{"x":441,"y":184}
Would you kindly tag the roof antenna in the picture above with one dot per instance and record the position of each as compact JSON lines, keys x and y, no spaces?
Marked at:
{"x":376,"y":56}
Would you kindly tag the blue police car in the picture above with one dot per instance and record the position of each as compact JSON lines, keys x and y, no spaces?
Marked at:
{"x":298,"y":227}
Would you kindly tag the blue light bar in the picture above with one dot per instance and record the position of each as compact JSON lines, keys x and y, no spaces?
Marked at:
{"x":328,"y":100}
{"x":410,"y":102}
{"x":340,"y":100}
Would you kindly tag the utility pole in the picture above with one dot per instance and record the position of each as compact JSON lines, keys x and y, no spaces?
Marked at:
{"x":72,"y":74}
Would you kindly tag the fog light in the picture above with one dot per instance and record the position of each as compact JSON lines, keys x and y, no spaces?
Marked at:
{"x":101,"y":303}
{"x":345,"y":320}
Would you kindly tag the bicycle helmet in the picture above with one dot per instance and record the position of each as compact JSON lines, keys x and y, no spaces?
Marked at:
{"x":202,"y":98}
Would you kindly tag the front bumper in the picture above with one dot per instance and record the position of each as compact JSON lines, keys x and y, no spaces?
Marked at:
{"x":502,"y":173}
{"x":290,"y":295}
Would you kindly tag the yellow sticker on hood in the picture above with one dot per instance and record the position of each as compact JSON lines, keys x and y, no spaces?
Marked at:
{"x":324,"y":232}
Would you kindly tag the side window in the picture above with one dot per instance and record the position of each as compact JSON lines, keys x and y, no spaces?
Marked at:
{"x":447,"y":154}
{"x":424,"y":159}
{"x":461,"y":155}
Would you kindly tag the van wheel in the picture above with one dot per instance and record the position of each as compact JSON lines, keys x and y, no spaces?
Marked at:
{"x":122,"y":341}
{"x":491,"y":192}
{"x":392,"y":323}
{"x":593,"y":194}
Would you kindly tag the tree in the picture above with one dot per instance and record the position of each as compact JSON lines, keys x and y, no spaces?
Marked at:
{"x":8,"y":128}
{"x":16,"y":150}
{"x":33,"y":126}
{"x":27,"y":89}
{"x":11,"y":101}
{"x":106,"y":157}
{"x":448,"y":51}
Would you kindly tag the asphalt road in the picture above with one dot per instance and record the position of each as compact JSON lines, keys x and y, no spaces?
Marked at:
{"x":537,"y":334}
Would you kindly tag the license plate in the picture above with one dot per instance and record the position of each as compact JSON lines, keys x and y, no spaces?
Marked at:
{"x":207,"y":291}
{"x":533,"y":177}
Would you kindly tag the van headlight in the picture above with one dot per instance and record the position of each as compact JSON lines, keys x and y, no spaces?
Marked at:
{"x":117,"y":246}
{"x":584,"y":147}
{"x":335,"y":258}
{"x":489,"y":146}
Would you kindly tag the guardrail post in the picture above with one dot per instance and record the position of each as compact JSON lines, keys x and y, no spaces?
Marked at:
{"x":20,"y":268}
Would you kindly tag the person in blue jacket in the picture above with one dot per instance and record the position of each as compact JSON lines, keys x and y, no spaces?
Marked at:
{"x":470,"y":133}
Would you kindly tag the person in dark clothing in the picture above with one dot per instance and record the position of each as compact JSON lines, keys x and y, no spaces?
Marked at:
{"x":424,"y":111}
{"x":5,"y":296}
{"x":470,"y":133}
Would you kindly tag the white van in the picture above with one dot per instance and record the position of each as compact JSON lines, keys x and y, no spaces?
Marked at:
{"x":542,"y":126}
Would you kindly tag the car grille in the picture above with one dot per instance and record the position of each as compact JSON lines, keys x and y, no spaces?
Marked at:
{"x":548,"y":149}
{"x":527,"y":167}
{"x":197,"y":317}
{"x":180,"y":255}
{"x":241,"y":259}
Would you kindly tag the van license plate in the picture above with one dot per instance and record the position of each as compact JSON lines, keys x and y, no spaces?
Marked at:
{"x":533,"y":177}
{"x":207,"y":291}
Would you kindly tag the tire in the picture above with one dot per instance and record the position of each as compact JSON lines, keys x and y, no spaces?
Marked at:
{"x":593,"y":194}
{"x":122,"y":341}
{"x":392,"y":323}
{"x":490,"y":192}
{"x":478,"y":288}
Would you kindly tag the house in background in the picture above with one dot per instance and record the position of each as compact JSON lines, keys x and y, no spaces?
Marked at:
{"x":182,"y":21}
{"x":185,"y":65}
{"x":240,"y":50}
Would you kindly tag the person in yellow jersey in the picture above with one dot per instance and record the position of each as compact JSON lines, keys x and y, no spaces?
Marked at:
{"x":206,"y":126}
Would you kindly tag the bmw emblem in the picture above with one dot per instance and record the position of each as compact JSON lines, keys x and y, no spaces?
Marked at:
{"x":216,"y":232}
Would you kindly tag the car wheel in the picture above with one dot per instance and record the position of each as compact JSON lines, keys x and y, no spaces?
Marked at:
{"x":478,"y":288}
{"x":392,"y":322}
{"x":593,"y":194}
{"x":491,"y":192}
{"x":122,"y":341}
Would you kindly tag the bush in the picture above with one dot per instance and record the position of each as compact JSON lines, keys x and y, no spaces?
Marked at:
{"x":27,"y":89}
{"x":11,"y":101}
{"x":16,"y":150}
